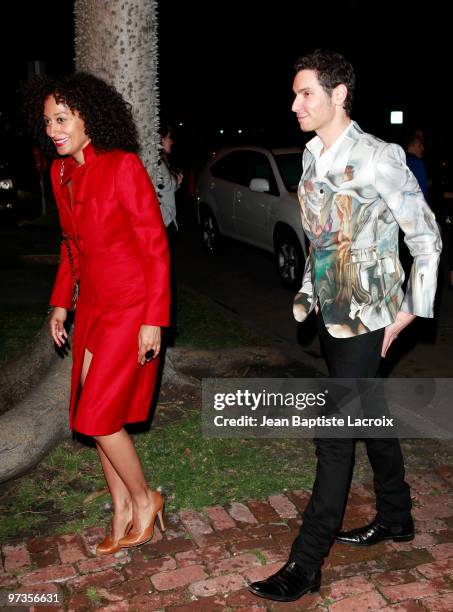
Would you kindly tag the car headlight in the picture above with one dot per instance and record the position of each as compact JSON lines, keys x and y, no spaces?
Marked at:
{"x":6,"y":184}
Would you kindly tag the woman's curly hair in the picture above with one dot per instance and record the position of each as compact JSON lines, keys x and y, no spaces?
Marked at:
{"x":107,"y":116}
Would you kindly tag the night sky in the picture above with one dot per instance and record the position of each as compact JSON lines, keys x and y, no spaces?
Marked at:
{"x":230,"y":64}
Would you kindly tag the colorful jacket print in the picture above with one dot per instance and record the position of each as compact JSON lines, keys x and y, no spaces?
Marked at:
{"x":352,"y":217}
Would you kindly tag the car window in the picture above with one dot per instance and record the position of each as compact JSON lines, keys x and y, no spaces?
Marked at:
{"x":233,"y":167}
{"x":261,"y":168}
{"x":290,"y":168}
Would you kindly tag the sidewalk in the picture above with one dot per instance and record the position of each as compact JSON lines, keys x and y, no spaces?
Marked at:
{"x":205,"y":560}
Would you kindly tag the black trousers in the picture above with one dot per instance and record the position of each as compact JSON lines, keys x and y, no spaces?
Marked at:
{"x":356,"y":357}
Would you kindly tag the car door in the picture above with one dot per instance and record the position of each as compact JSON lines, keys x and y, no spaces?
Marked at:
{"x":228,"y":175}
{"x":252,"y":210}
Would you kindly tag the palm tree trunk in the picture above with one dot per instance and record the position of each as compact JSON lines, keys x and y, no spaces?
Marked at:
{"x":116,"y":40}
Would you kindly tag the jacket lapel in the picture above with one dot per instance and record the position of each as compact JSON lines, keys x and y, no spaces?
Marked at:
{"x":338,"y":174}
{"x":309,"y":169}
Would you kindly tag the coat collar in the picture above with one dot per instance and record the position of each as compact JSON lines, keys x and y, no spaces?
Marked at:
{"x":69,"y":165}
{"x":337,"y":173}
{"x":316,"y":145}
{"x":341,"y":155}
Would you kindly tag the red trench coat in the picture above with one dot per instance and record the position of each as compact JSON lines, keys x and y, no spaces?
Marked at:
{"x":120,"y":253}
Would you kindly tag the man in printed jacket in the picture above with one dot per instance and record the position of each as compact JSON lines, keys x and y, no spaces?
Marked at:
{"x":355,"y":193}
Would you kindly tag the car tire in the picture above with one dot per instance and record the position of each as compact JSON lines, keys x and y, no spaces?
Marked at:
{"x":289,"y":259}
{"x":210,"y":232}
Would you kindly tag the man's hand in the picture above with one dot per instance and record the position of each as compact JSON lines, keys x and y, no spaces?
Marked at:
{"x":392,"y":331}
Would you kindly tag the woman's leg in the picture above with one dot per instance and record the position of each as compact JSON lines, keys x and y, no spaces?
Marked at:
{"x":120,"y":451}
{"x":85,"y":366}
{"x":121,"y":499}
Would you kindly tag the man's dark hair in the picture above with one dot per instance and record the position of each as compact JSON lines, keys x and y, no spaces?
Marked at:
{"x":332,"y":69}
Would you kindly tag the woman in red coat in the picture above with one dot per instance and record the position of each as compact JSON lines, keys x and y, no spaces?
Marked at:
{"x":115,"y":248}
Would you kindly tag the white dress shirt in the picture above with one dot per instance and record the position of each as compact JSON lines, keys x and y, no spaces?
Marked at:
{"x":324,"y":159}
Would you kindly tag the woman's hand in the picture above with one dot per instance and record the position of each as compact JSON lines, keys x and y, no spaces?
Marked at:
{"x":393,"y":330}
{"x":149,"y":337}
{"x":56,"y":324}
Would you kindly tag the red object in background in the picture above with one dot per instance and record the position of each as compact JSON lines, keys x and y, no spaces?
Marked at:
{"x":191,"y":185}
{"x":120,"y":253}
{"x":40,"y":160}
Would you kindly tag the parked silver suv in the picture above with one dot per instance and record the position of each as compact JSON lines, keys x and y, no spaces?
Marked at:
{"x":250,"y":194}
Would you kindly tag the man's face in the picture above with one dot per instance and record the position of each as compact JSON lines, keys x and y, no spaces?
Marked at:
{"x":314,"y":108}
{"x":418,"y":148}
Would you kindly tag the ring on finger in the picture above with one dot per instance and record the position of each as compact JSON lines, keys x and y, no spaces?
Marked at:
{"x":149,"y":355}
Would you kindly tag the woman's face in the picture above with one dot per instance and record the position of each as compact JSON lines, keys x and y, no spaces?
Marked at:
{"x":167,"y":143}
{"x":65,"y":128}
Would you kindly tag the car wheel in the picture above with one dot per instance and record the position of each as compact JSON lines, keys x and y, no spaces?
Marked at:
{"x":289,"y":259}
{"x":210,"y":233}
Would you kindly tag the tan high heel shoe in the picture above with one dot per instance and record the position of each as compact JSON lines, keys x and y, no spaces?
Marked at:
{"x":109,"y":546}
{"x":147,"y":534}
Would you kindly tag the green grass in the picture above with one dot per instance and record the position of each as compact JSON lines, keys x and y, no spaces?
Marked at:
{"x":192,"y":472}
{"x":259,"y":555}
{"x":197,"y":472}
{"x":202,"y":324}
{"x":95,"y":597}
{"x":18,"y":324}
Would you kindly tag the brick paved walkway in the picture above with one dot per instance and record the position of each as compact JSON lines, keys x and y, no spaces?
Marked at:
{"x":205,"y":560}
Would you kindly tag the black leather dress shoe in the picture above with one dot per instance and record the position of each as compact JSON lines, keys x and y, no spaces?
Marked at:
{"x":288,"y":584}
{"x":375,"y":533}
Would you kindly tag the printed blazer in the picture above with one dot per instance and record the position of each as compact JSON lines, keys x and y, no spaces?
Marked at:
{"x":352,"y":217}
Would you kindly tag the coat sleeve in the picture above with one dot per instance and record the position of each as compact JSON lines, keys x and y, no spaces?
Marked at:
{"x":399,"y":188}
{"x":304,"y":301}
{"x":138,"y":198}
{"x":63,"y":288}
{"x":64,"y":284}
